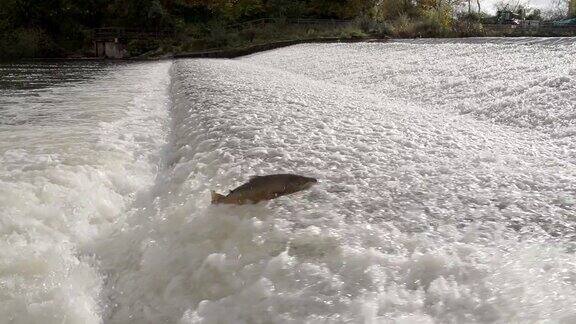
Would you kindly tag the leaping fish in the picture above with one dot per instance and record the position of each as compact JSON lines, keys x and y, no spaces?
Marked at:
{"x":267,"y":187}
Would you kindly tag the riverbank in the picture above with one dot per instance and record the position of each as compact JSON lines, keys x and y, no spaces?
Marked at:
{"x":229,"y":52}
{"x":179,"y":48}
{"x":242,"y":51}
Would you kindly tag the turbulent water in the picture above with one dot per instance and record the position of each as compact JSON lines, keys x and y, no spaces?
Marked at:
{"x":447,"y":186}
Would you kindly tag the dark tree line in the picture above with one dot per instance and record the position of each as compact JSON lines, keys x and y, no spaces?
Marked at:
{"x":30,"y":28}
{"x":59,"y":17}
{"x":50,"y":27}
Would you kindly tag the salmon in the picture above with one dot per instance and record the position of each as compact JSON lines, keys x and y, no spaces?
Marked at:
{"x":260,"y":188}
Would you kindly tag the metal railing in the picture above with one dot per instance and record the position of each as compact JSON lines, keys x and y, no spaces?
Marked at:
{"x":108,"y":33}
{"x":543,"y":27}
{"x":292,"y":21}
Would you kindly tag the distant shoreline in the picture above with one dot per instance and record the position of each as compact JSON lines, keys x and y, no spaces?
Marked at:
{"x":222,"y":53}
{"x":230,"y":53}
{"x":243,"y":51}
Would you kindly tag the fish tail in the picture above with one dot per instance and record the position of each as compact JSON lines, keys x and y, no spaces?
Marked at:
{"x":216,"y":197}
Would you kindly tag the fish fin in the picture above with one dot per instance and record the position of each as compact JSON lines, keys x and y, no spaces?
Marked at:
{"x":216,"y":197}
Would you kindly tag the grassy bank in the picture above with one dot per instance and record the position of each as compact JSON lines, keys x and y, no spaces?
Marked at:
{"x":255,"y":48}
{"x":218,"y":38}
{"x":194,"y":38}
{"x":199,"y":39}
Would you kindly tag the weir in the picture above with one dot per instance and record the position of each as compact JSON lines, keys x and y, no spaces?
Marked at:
{"x":445,"y":193}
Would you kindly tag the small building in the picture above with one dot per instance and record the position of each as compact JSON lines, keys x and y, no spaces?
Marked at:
{"x":110,"y":43}
{"x":110,"y":48}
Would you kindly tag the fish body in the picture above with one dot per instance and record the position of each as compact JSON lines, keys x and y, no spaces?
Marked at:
{"x":267,"y":187}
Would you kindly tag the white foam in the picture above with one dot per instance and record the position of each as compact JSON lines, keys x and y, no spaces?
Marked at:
{"x":526,"y":82}
{"x":65,"y":178}
{"x":421,"y":215}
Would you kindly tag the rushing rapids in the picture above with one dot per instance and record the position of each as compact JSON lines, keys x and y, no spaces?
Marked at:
{"x":447,"y":181}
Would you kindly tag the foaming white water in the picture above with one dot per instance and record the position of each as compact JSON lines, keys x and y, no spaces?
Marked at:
{"x":421,"y":216}
{"x":72,"y":158}
{"x":526,"y":82}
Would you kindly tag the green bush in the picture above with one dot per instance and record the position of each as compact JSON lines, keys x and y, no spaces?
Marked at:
{"x":404,"y":27}
{"x":394,"y":9}
{"x":435,"y":23}
{"x":27,"y":43}
{"x":468,"y":28}
{"x":365,"y":23}
{"x":248,"y":34}
{"x":218,"y":37}
{"x":471,"y":24}
{"x":374,"y":27}
{"x":352,"y":32}
{"x":140,"y":46}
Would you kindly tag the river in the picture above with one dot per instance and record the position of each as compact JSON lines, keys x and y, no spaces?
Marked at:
{"x":447,"y":186}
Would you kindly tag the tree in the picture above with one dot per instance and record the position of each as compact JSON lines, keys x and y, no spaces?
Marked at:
{"x":511,"y":5}
{"x":521,"y":8}
{"x":285,"y":8}
{"x":556,"y":11}
{"x":392,"y":9}
{"x":534,"y":14}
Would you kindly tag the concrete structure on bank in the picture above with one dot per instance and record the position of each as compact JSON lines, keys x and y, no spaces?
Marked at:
{"x":110,"y":48}
{"x":110,"y":43}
